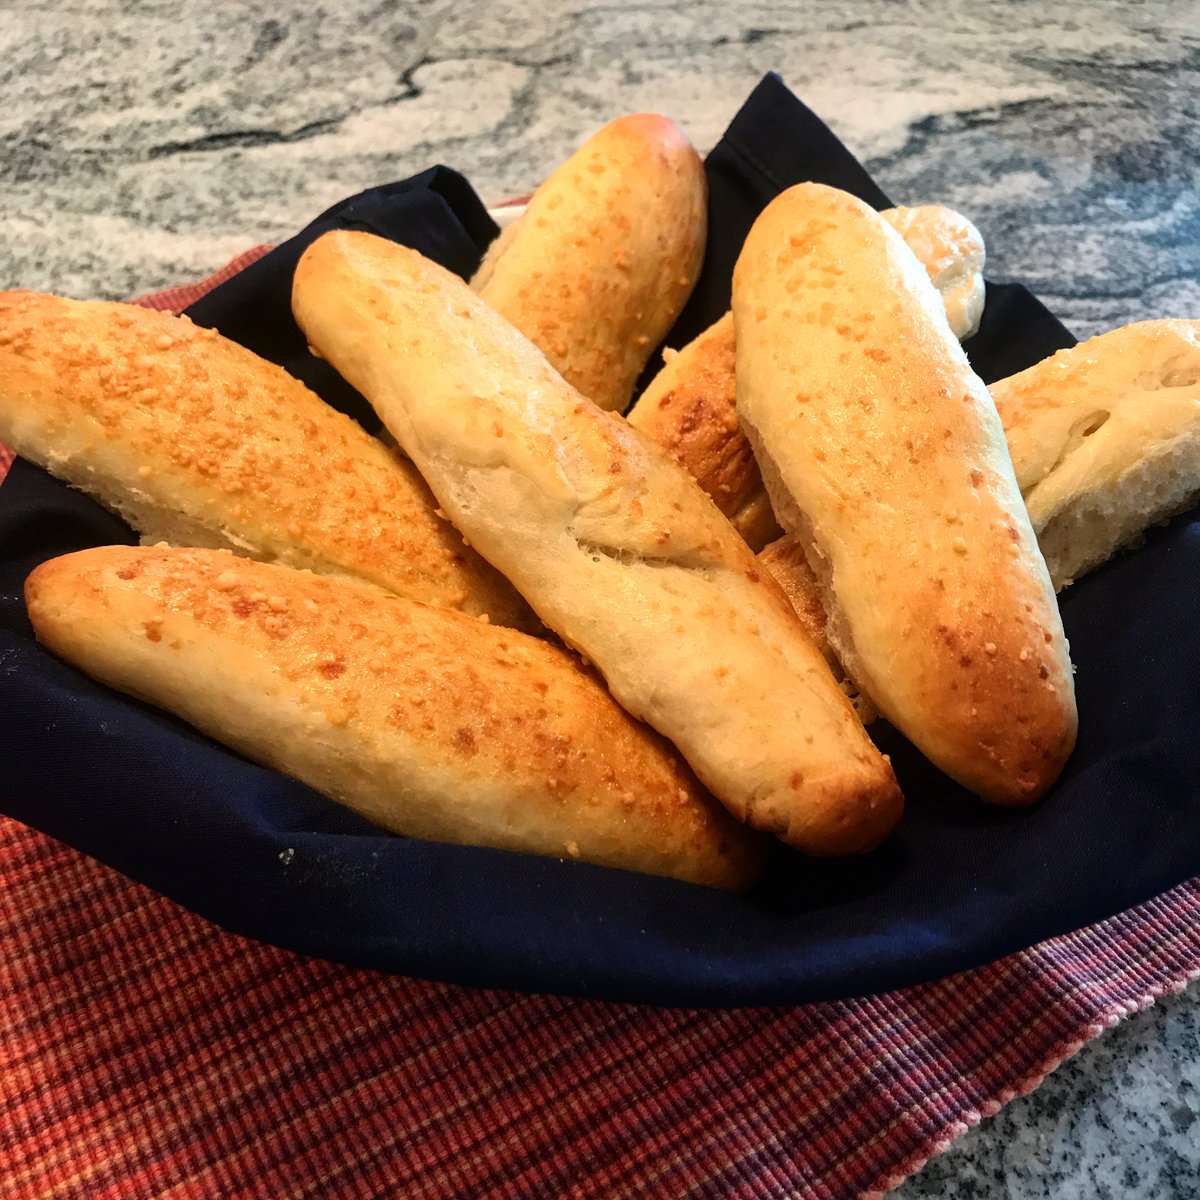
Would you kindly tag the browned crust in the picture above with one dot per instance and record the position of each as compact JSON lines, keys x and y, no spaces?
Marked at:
{"x":1105,"y":440}
{"x":1144,"y":365}
{"x":605,"y":256}
{"x":788,"y":564}
{"x":188,"y":434}
{"x":689,"y":408}
{"x":430,"y":723}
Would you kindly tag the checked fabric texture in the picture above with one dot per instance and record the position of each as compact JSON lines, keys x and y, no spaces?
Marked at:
{"x":144,"y":1052}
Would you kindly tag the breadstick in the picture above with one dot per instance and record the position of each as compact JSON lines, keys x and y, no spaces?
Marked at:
{"x":195,"y":440}
{"x":1105,"y":440}
{"x":614,"y":545}
{"x":882,"y":451}
{"x":690,"y":406}
{"x":426,"y":722}
{"x":604,"y":258}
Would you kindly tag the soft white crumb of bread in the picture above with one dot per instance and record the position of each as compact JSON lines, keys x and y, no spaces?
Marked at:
{"x":1080,"y":532}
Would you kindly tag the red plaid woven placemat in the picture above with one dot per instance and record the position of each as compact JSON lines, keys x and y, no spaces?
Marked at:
{"x":144,"y":1052}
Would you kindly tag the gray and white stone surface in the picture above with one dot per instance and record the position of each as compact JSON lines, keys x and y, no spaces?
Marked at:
{"x":144,"y":144}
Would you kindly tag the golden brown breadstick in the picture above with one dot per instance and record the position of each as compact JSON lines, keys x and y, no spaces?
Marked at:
{"x":882,"y":451}
{"x":1105,"y":440}
{"x":428,"y":723}
{"x":601,"y":263}
{"x":197,"y":441}
{"x":690,"y":409}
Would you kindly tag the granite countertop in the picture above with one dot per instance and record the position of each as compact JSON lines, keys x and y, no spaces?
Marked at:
{"x":144,"y":145}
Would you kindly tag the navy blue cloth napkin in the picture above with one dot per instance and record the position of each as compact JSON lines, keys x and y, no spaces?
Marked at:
{"x":958,"y":884}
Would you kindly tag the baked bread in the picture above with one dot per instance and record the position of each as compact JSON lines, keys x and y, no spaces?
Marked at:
{"x":605,"y":256}
{"x":690,"y":406}
{"x":614,"y":545}
{"x":195,"y":440}
{"x":428,"y":723}
{"x":786,"y":560}
{"x":788,"y":565}
{"x":883,"y":453}
{"x":952,"y":252}
{"x":1105,"y":440}
{"x":690,"y":409}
